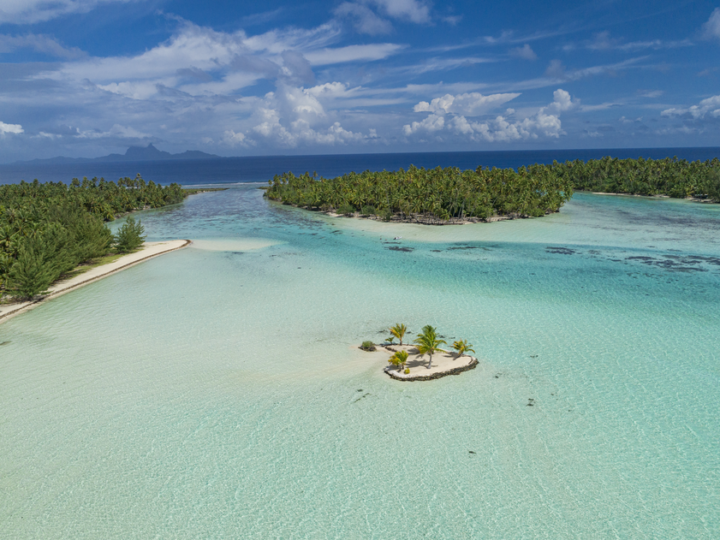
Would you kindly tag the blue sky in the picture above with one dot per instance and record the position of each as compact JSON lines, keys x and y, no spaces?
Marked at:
{"x":90,"y":77}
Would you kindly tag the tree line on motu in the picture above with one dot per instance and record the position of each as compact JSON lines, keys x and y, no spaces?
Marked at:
{"x":48,"y":229}
{"x":447,"y":194}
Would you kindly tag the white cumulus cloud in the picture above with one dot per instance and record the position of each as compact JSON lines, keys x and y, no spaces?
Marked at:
{"x":293,"y":116}
{"x":470,"y":104}
{"x":14,"y":129}
{"x":231,"y":138}
{"x":503,"y":128}
{"x":432,"y":123}
{"x":707,"y":107}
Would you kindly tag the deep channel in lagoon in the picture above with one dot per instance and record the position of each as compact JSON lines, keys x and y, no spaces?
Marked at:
{"x":218,"y":390}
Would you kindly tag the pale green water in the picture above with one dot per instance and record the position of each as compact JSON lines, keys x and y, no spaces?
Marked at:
{"x":216,"y":392}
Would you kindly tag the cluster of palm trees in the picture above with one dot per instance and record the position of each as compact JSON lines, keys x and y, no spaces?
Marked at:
{"x":442,"y":193}
{"x":536,"y":190}
{"x":670,"y":176}
{"x":428,"y":342}
{"x":47,"y":229}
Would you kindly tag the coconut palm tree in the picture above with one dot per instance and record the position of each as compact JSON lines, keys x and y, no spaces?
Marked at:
{"x":398,"y":331}
{"x":401,"y":357}
{"x":428,"y":343}
{"x":395,"y":361}
{"x":462,"y":348}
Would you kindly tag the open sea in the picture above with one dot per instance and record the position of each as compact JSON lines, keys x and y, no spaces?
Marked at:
{"x":218,"y":391}
{"x":262,"y":169}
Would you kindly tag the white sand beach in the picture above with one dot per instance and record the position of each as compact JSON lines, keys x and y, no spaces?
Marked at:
{"x":443,"y":363}
{"x":148,"y":251}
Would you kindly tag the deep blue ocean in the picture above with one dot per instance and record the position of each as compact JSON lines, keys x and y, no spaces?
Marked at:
{"x":261,"y":169}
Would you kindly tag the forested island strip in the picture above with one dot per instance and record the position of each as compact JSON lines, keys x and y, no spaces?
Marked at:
{"x":52,"y":231}
{"x":149,"y":250}
{"x":440,"y":196}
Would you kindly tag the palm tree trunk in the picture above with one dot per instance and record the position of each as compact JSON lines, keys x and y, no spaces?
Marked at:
{"x":430,"y":362}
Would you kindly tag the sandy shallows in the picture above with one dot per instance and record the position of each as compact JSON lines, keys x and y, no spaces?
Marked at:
{"x":149,"y":250}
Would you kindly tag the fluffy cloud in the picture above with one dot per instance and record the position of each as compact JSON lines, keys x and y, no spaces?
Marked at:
{"x":711,"y":29}
{"x":294,"y":116}
{"x":544,"y":123}
{"x":231,"y":138}
{"x":33,"y":11}
{"x":472,"y":104}
{"x":709,"y":107}
{"x":15,"y":129}
{"x":561,"y":101}
{"x":432,"y":123}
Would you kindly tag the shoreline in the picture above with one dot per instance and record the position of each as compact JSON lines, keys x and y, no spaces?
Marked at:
{"x":659,"y":196}
{"x":426,"y":219}
{"x":420,"y":219}
{"x":149,"y":251}
{"x":445,"y":363}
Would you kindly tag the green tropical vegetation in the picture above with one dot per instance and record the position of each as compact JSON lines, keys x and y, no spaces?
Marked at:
{"x":398,"y":331}
{"x":450,"y":194}
{"x":462,"y":347}
{"x":367,"y":346}
{"x":48,"y":229}
{"x":399,"y":359}
{"x":677,"y":178}
{"x":429,"y":343}
{"x":130,"y":236}
{"x":436,"y":193}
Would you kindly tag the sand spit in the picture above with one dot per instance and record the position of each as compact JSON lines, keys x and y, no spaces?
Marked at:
{"x":443,"y":364}
{"x":149,"y":250}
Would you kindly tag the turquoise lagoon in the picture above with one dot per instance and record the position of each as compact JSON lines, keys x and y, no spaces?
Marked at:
{"x":217,"y":391}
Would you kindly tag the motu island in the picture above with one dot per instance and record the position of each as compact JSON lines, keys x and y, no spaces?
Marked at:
{"x":446,"y":196}
{"x":430,"y":360}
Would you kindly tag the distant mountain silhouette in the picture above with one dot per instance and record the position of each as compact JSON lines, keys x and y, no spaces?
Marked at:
{"x":134,"y":153}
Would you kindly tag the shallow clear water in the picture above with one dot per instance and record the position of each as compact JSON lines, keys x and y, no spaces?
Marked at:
{"x":217,"y":391}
